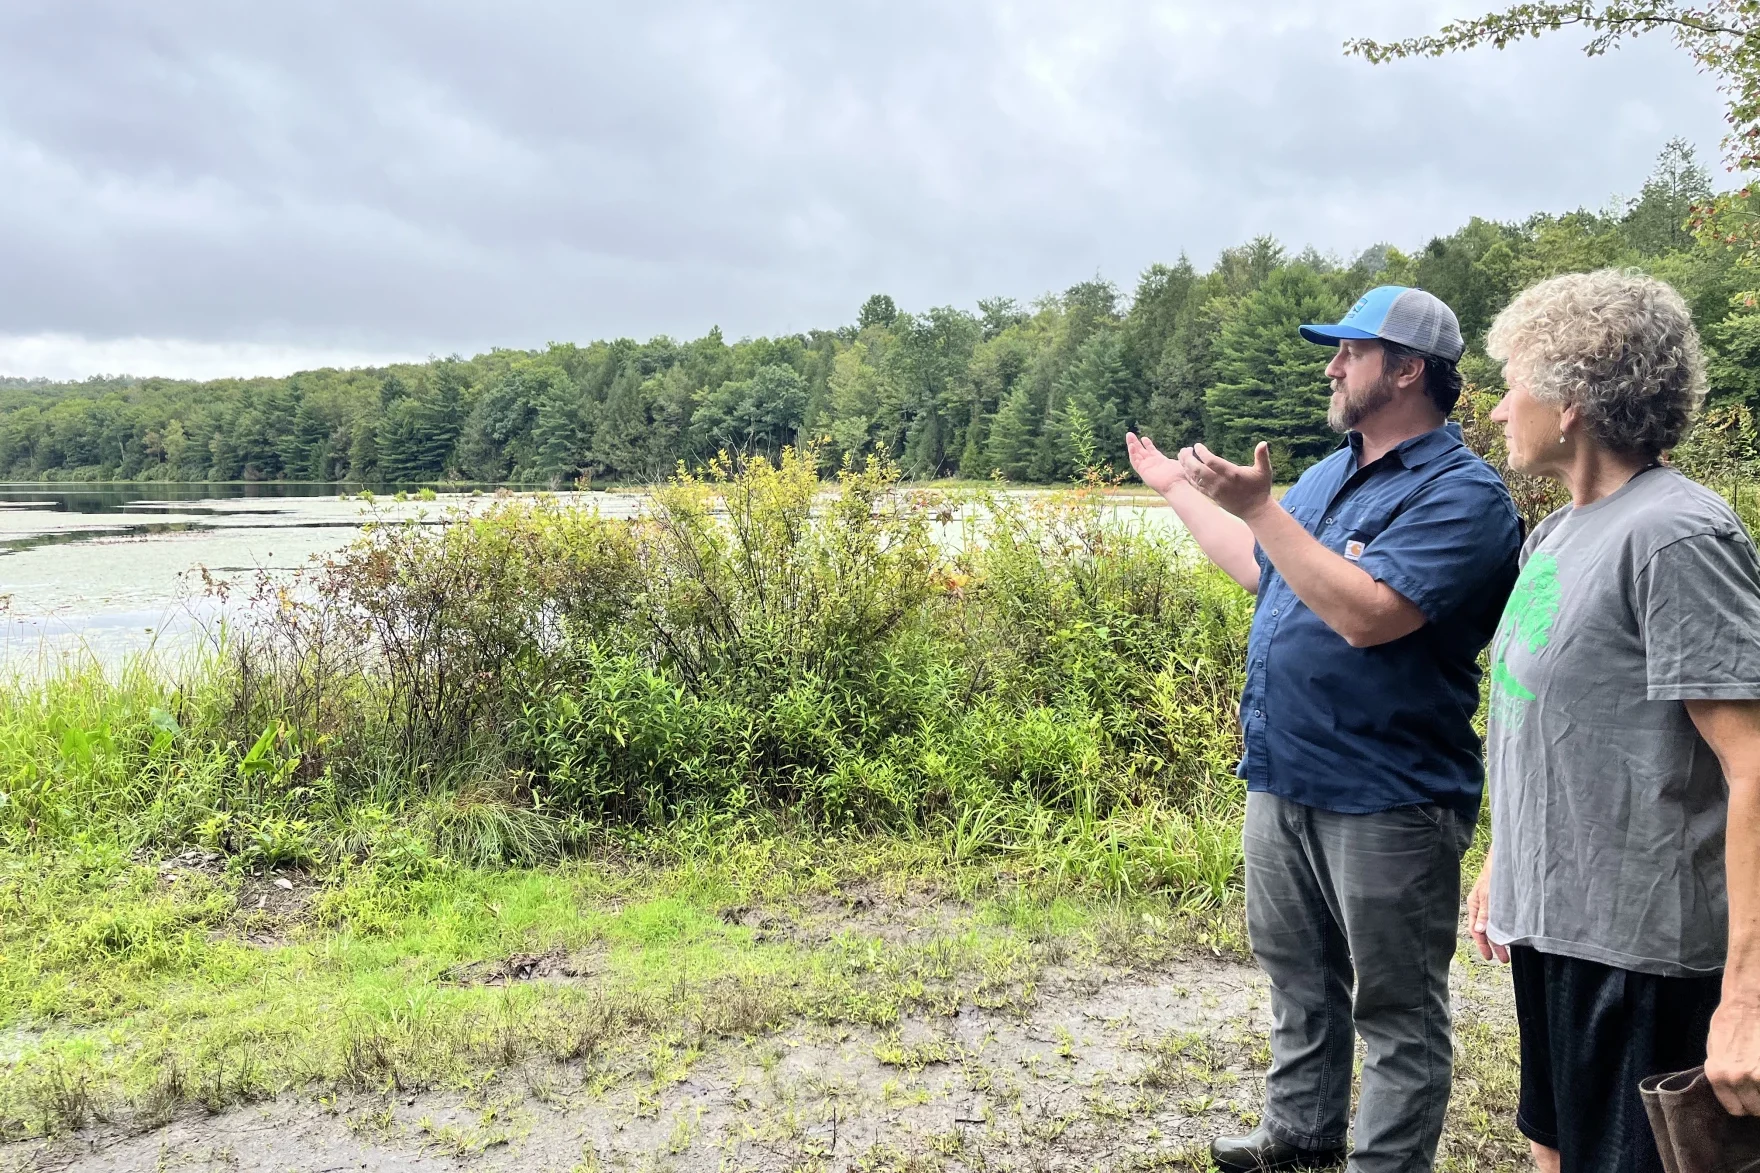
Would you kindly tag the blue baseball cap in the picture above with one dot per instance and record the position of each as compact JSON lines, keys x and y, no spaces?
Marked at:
{"x":1394,"y":313}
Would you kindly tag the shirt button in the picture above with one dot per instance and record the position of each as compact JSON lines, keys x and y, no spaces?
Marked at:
{"x":1274,"y":612}
{"x":1258,"y":713}
{"x":1330,"y":520}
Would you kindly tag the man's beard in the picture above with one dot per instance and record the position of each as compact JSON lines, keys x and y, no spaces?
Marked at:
{"x":1344,"y":417}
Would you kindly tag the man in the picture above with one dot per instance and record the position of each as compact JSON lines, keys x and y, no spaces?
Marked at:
{"x":1380,"y":577}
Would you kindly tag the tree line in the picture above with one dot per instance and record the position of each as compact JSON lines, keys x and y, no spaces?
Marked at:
{"x":1035,"y":391}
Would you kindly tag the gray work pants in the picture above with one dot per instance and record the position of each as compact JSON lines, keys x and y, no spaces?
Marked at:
{"x":1374,"y":898}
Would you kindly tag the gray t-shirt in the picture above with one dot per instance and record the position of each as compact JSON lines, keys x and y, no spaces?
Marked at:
{"x":1608,"y":808}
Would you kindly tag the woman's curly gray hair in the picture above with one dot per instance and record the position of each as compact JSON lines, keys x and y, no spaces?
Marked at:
{"x":1617,"y":344}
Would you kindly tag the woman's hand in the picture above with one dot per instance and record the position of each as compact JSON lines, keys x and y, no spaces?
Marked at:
{"x":1479,"y":915}
{"x":1732,"y":1055}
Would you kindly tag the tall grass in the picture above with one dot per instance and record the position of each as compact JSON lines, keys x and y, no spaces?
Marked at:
{"x":1044,"y":680}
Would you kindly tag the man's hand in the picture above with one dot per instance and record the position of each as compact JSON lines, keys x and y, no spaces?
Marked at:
{"x":1224,"y":540}
{"x":1479,"y":916}
{"x":1243,"y":491}
{"x":1732,"y":1057}
{"x":1156,"y":470}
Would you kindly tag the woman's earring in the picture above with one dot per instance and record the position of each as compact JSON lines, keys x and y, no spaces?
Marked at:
{"x":1561,"y":437}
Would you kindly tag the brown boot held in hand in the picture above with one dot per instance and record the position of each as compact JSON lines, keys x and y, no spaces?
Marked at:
{"x":1693,"y":1132}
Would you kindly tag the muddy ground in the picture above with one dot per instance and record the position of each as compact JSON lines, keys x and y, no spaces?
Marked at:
{"x":1105,"y":1069}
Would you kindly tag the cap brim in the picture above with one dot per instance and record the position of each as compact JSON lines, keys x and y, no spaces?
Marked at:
{"x":1325,"y":335}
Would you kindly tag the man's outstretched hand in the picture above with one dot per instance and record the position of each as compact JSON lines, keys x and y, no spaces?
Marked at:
{"x":1156,"y":470}
{"x":1243,"y":490}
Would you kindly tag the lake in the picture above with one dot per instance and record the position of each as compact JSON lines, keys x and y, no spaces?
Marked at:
{"x":110,"y":569}
{"x":107,"y":570}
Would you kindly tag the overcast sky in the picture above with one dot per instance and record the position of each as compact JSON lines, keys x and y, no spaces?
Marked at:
{"x":213,"y":187}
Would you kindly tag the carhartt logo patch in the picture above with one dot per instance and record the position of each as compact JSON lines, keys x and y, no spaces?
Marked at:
{"x":1353,"y":550}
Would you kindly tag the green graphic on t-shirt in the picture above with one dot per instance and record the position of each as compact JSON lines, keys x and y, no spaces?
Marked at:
{"x":1532,"y":608}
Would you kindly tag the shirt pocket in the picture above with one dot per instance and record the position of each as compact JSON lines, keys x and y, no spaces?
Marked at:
{"x":1350,"y":526}
{"x":1309,"y":515}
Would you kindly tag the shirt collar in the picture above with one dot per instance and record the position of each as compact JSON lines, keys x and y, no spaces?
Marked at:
{"x":1418,"y":450}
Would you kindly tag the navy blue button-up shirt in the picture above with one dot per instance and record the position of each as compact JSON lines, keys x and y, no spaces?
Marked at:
{"x":1356,"y":730}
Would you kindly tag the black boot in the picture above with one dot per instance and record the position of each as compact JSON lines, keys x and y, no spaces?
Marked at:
{"x":1261,"y":1150}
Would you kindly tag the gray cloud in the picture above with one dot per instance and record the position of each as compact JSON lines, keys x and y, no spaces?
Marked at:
{"x":386,"y":176}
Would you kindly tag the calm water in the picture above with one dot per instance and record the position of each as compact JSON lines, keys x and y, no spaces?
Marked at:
{"x":109,"y":569}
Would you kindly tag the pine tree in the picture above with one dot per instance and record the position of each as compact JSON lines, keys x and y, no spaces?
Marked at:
{"x":176,"y":446}
{"x":1163,"y":300}
{"x":398,"y":447}
{"x":1175,"y":416}
{"x":971,"y":458}
{"x":1013,"y":441}
{"x":223,"y":462}
{"x":363,"y":452}
{"x":1656,"y":222}
{"x":1094,"y":389}
{"x":305,"y":450}
{"x":924,"y":452}
{"x":438,"y":420}
{"x":1271,"y":383}
{"x":560,"y":434}
{"x":622,"y":425}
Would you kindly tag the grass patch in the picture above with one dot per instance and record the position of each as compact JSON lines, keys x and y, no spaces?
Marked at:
{"x":167,"y":1009}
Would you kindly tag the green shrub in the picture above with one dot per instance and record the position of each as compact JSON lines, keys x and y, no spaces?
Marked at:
{"x":1042,"y":677}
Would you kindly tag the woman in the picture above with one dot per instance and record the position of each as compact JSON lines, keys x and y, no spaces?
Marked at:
{"x":1624,"y":746}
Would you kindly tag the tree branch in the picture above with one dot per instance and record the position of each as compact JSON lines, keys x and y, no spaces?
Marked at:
{"x":1532,"y":20}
